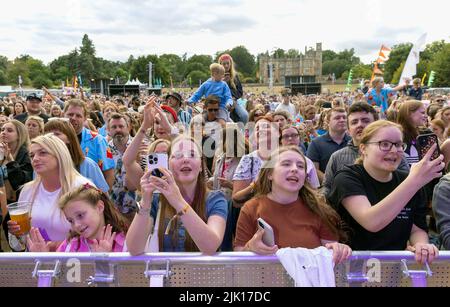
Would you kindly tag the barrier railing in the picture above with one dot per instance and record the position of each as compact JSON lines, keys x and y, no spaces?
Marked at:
{"x":368,"y":269}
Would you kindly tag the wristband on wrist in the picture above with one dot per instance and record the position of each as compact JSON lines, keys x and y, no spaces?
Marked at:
{"x":143,"y":211}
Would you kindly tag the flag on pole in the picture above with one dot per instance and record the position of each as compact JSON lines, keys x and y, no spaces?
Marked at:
{"x":383,"y":55}
{"x":79,"y":80}
{"x":75,"y":82}
{"x":349,"y":81}
{"x":423,"y":79}
{"x":410,"y":69}
{"x":431,"y":78}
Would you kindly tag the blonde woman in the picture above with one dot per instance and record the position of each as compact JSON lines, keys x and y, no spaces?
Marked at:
{"x":384,"y":207}
{"x":35,"y":126}
{"x":185,"y":215}
{"x":55,"y":176}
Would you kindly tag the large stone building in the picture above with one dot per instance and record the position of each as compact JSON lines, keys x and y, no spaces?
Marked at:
{"x":305,"y":69}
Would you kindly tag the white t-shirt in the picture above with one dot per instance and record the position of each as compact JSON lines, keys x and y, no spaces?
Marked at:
{"x":45,"y":213}
{"x":288,"y":108}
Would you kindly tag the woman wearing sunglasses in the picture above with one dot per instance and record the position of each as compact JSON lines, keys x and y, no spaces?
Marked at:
{"x":384,"y":207}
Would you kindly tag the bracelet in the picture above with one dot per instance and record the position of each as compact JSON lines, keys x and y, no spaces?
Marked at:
{"x":143,"y":211}
{"x":184,"y":210}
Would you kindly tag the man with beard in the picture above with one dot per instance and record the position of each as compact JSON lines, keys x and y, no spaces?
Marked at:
{"x":119,"y":131}
{"x":92,"y":144}
{"x":360,"y":115}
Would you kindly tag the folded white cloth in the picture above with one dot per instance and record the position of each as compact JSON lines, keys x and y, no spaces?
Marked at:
{"x":309,"y":267}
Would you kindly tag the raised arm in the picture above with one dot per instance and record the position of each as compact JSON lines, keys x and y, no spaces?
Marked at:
{"x":133,"y":170}
{"x":140,"y":228}
{"x":375,"y":218}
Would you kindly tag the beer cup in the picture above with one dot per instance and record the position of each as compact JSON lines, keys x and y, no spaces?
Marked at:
{"x":20,"y":213}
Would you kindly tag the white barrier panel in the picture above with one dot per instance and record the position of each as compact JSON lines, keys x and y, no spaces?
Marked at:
{"x":369,"y":269}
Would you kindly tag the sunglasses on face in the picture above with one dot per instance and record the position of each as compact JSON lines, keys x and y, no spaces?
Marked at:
{"x":213,"y":110}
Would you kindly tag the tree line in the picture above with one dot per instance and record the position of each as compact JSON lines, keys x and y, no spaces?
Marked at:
{"x":190,"y":71}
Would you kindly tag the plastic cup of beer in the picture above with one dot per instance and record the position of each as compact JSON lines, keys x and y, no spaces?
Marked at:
{"x":20,"y":213}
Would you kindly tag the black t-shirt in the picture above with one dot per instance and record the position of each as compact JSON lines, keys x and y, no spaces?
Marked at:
{"x":354,"y":180}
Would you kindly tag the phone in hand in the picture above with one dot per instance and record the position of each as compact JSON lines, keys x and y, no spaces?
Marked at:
{"x":268,"y":236}
{"x":424,"y":143}
{"x":156,"y":161}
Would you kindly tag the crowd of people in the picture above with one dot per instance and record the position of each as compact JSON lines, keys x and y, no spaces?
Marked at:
{"x":339,"y":170}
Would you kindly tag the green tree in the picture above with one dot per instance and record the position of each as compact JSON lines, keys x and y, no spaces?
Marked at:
{"x":338,"y":63}
{"x":174,"y":65}
{"x":336,"y":66}
{"x":243,"y":60}
{"x":398,"y":55}
{"x":87,"y":61}
{"x":279,"y":53}
{"x":196,"y":77}
{"x":360,"y":71}
{"x":441,"y":65}
{"x":3,"y":77}
{"x":293,"y":53}
{"x":427,"y":57}
{"x":41,"y":80}
{"x":19,"y":67}
{"x":328,"y":55}
{"x":398,"y":74}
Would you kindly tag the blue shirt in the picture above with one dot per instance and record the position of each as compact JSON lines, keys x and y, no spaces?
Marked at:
{"x":95,"y":147}
{"x":102,"y":131}
{"x":216,"y":204}
{"x":380,"y":100}
{"x":211,"y":87}
{"x":90,"y":170}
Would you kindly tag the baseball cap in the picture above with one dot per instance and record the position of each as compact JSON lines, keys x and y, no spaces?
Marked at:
{"x":34,"y":96}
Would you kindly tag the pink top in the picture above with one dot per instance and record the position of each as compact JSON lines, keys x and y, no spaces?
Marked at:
{"x":80,"y":245}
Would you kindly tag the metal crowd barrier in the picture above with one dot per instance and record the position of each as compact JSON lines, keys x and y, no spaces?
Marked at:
{"x":363,"y":269}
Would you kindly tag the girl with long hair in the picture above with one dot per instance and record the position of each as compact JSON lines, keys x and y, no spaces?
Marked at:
{"x":95,"y":224}
{"x":411,"y":116}
{"x":386,"y":208}
{"x":299,"y":216}
{"x":185,"y":216}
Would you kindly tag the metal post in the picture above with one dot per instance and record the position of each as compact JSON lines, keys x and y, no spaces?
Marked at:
{"x":157,"y":277}
{"x":104,"y":274}
{"x":418,"y":277}
{"x":150,"y":75}
{"x":46,"y":278}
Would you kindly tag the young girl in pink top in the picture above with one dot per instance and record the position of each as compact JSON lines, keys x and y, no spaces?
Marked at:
{"x":96,"y":225}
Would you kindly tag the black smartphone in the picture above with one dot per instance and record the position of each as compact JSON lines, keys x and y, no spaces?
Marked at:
{"x":424,"y":143}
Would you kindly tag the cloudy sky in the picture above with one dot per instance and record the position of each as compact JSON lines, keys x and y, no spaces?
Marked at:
{"x":46,"y":29}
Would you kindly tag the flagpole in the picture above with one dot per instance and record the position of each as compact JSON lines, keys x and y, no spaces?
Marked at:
{"x":375,"y":66}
